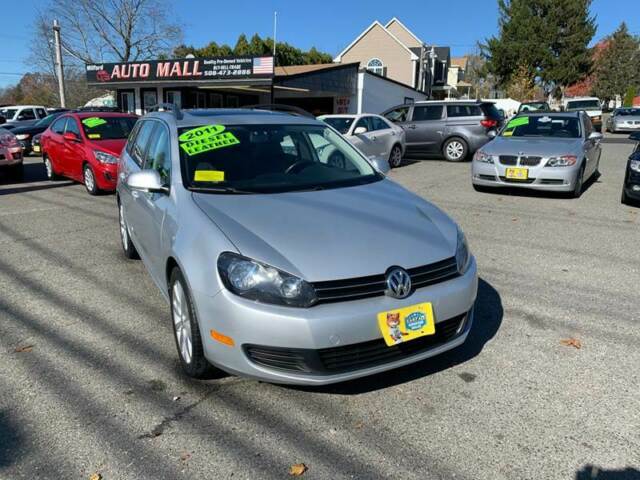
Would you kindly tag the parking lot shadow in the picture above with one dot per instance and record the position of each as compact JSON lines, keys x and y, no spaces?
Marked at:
{"x":10,"y":441}
{"x":590,"y":472}
{"x":487,"y":321}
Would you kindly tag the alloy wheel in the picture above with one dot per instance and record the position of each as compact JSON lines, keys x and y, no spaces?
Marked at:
{"x":124,"y":233}
{"x":182,"y":322}
{"x":455,"y":150}
{"x":89,"y":181}
{"x":48,"y":168}
{"x":396,"y":156}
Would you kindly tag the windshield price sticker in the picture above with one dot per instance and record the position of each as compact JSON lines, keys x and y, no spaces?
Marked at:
{"x":208,"y":176}
{"x":517,"y":122}
{"x":93,"y":122}
{"x":207,"y":138}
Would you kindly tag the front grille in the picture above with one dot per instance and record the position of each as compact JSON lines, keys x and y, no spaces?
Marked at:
{"x":375,"y":285}
{"x":513,"y":180}
{"x":351,"y":357}
{"x":508,"y":160}
{"x":530,"y":161}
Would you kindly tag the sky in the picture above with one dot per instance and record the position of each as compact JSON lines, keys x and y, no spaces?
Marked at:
{"x":329,"y":25}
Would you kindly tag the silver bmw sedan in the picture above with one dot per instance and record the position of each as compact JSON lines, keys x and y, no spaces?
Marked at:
{"x":281,"y":261}
{"x":547,"y":151}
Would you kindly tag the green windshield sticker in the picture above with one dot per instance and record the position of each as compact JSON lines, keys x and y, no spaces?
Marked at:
{"x":93,"y":122}
{"x":207,"y":138}
{"x":516,"y":122}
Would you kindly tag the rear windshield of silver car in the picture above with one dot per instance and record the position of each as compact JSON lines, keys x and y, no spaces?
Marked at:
{"x":269,"y":159}
{"x":543,"y":126}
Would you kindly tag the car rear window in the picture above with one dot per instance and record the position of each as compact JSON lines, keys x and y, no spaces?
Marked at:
{"x":107,"y":128}
{"x":490,"y":111}
{"x":463,"y":111}
{"x":583,"y":105}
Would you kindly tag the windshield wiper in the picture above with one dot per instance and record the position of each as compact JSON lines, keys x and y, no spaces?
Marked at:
{"x":221,"y":190}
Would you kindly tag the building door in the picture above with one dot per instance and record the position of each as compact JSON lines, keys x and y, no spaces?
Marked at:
{"x":215,"y":100}
{"x":175,"y":97}
{"x":126,"y":101}
{"x":201,"y":100}
{"x":149,"y":99}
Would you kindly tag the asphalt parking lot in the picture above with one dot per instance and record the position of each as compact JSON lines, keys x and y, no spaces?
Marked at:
{"x":89,"y":378}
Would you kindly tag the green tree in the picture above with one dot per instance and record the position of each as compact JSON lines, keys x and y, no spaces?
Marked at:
{"x":629,"y":95}
{"x":616,"y":69}
{"x":242,"y":46}
{"x":549,"y":37}
{"x":522,"y":85}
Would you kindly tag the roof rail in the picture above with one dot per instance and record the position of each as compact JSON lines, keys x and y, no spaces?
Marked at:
{"x":279,"y":107}
{"x":167,"y":107}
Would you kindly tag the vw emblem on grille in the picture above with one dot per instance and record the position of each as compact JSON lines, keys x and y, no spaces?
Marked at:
{"x":398,"y":283}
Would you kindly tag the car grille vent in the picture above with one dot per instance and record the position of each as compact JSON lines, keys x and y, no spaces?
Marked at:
{"x":375,"y":285}
{"x":530,"y":161}
{"x":508,"y":160}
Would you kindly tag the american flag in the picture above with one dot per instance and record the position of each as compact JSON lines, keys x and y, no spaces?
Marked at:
{"x":263,"y":65}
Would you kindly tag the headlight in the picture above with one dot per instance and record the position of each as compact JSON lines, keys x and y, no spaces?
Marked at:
{"x":462,"y":253}
{"x":635,"y":165}
{"x":104,"y":157}
{"x":22,"y":136}
{"x":563,"y":161}
{"x":480,"y":156}
{"x":263,"y":283}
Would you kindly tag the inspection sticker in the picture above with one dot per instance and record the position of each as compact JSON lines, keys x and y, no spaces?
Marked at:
{"x":94,"y":136}
{"x":206,"y":138}
{"x":208,"y":176}
{"x":93,"y":122}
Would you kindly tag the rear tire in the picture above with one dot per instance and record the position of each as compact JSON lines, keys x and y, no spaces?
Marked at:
{"x":455,"y":149}
{"x":186,"y":330}
{"x":90,"y":180}
{"x":395,"y":157}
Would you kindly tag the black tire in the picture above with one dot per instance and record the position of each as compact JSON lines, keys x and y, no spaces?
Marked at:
{"x":455,"y":149}
{"x":48,"y":166}
{"x":128,"y":247}
{"x":624,"y":198}
{"x":577,"y":190}
{"x":89,"y":178}
{"x":395,"y":157}
{"x":197,"y":366}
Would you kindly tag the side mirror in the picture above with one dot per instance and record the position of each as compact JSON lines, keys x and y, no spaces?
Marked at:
{"x":147,"y":181}
{"x":597,"y":136}
{"x":70,"y":136}
{"x":360,"y":131}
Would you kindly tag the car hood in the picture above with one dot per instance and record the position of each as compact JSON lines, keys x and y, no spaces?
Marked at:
{"x":533,"y":146}
{"x":110,"y":146}
{"x":336,"y":233}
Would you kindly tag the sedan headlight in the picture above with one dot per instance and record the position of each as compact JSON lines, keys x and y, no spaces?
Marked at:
{"x":635,"y":165}
{"x":263,"y":283}
{"x":563,"y":161}
{"x":463,"y":257}
{"x":480,"y":156}
{"x":104,"y":157}
{"x":22,"y":136}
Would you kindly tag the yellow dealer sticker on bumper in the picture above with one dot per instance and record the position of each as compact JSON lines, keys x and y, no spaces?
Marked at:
{"x":404,"y":324}
{"x":206,"y":138}
{"x":208,"y":176}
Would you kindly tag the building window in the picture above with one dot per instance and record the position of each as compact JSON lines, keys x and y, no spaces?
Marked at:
{"x":375,"y":66}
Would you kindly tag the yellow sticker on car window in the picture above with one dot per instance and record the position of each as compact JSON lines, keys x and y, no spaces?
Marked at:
{"x":94,"y":135}
{"x":206,"y":138}
{"x":208,"y":176}
{"x":507,"y":133}
{"x":93,"y":122}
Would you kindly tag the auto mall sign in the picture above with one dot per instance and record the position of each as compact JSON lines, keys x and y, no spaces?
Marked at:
{"x":187,"y":69}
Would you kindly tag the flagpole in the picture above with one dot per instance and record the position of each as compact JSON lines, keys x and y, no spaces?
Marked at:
{"x":275,"y":26}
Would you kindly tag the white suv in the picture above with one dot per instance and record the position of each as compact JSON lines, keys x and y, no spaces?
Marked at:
{"x":23,"y":115}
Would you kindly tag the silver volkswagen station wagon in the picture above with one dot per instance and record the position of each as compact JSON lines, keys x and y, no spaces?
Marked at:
{"x":283,"y":254}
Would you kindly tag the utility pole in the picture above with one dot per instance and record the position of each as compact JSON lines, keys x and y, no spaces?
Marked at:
{"x":275,"y":26}
{"x":59,"y":70}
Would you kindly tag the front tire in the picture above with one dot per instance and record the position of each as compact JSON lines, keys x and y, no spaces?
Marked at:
{"x":455,"y":149}
{"x":186,"y":330}
{"x":128,"y":247}
{"x":48,"y":166}
{"x":395,"y":157}
{"x":577,"y":190}
{"x":90,"y":180}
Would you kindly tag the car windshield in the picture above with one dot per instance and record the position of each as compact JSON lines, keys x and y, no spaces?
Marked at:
{"x":629,"y":111}
{"x":342,"y":124}
{"x":8,"y":112}
{"x":107,"y":128}
{"x":543,"y":126}
{"x":46,"y":121}
{"x":584,"y":105}
{"x":269,"y":159}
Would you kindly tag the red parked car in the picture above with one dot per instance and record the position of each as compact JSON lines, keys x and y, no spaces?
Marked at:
{"x":85,"y":146}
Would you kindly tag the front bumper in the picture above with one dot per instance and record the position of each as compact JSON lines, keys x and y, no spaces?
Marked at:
{"x":106,"y":176}
{"x":10,"y":156}
{"x":555,"y":179}
{"x":327,"y":327}
{"x":626,"y":128}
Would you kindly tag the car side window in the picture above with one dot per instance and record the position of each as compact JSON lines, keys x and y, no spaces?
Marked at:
{"x":398,"y":115}
{"x":364,"y":122}
{"x":463,"y":111}
{"x":72,"y":126}
{"x":41,"y":113}
{"x":132,"y":137}
{"x":427,"y":112}
{"x":158,"y":157}
{"x":141,"y":142}
{"x":379,"y":124}
{"x":58,"y":125}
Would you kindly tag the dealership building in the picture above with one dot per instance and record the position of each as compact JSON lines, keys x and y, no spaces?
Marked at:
{"x":228,"y":82}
